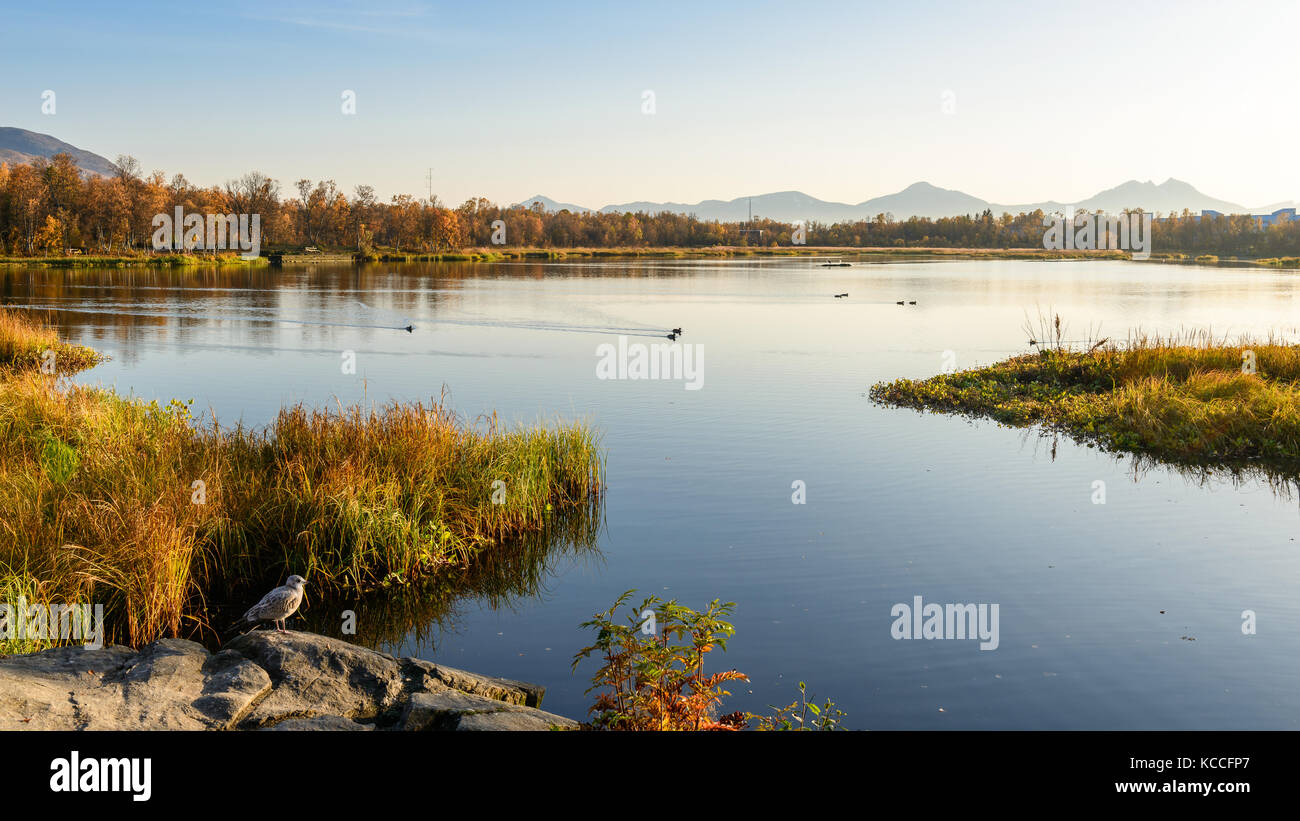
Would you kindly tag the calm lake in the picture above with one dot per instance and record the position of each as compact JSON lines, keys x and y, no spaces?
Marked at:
{"x":1126,"y":614}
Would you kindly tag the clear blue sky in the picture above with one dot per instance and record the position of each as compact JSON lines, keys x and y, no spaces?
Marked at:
{"x":842,"y":101}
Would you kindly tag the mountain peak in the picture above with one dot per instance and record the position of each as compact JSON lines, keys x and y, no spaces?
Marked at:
{"x":18,"y":145}
{"x":551,"y":205}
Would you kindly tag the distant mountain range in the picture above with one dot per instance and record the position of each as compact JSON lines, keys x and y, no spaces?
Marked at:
{"x":18,"y":145}
{"x":922,"y":199}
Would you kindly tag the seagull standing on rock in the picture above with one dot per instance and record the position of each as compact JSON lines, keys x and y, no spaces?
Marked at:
{"x":276,"y":606}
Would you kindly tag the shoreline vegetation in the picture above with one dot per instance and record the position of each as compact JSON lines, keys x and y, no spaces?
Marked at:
{"x":150,"y":511}
{"x":523,"y":254}
{"x":168,"y":260}
{"x":295,"y":257}
{"x":502,"y":255}
{"x":1188,"y":400}
{"x":52,"y":214}
{"x":514,"y":254}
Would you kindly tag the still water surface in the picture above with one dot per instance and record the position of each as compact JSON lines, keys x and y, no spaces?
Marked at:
{"x":898,"y":504}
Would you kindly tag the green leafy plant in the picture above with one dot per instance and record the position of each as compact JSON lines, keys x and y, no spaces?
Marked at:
{"x":652,"y":675}
{"x":58,"y":459}
{"x":796,"y":715}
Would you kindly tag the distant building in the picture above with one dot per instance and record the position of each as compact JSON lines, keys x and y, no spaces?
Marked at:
{"x":1274,"y":217}
{"x":1264,"y":220}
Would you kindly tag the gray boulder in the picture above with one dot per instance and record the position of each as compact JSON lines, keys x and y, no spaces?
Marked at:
{"x":454,"y":710}
{"x":500,"y":689}
{"x":261,"y":680}
{"x":330,"y":723}
{"x":170,"y":684}
{"x":316,"y":675}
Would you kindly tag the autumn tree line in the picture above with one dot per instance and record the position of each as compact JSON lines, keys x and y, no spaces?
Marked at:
{"x":48,"y":207}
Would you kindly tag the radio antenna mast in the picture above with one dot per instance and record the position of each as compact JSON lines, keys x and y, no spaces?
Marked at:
{"x":749,"y":226}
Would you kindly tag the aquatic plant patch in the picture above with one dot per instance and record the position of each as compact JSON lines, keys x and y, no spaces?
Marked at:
{"x":1183,"y":400}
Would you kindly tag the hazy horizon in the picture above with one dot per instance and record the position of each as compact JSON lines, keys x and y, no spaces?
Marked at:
{"x":516,"y":100}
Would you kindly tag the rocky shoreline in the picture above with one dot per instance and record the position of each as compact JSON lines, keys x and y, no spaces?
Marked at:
{"x":263,"y":680}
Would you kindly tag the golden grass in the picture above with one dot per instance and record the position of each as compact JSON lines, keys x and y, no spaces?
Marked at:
{"x":28,"y":343}
{"x":1190,"y":398}
{"x":140,"y":507}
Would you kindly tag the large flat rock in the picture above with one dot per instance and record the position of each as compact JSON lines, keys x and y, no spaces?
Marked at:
{"x":500,"y":689}
{"x":319,"y":676}
{"x":455,"y":710}
{"x":261,"y":680}
{"x":170,"y":684}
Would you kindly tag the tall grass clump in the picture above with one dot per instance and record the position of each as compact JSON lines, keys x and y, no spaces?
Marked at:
{"x":28,"y":343}
{"x":365,"y":498}
{"x":18,"y":591}
{"x":142,"y":508}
